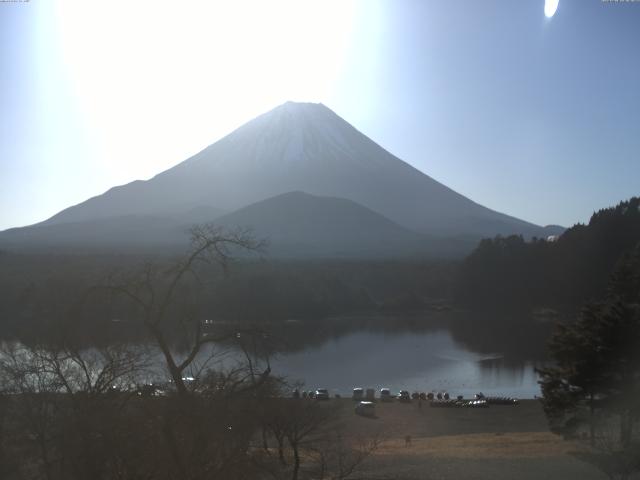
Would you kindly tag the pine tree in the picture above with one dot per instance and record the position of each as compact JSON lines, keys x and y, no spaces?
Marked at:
{"x":597,"y":359}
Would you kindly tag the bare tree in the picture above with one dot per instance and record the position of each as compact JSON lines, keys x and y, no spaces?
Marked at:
{"x":207,"y":434}
{"x":307,"y":419}
{"x":77,"y":415}
{"x":64,"y":405}
{"x":156,"y":293}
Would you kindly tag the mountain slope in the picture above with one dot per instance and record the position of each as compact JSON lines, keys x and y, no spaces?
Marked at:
{"x":301,"y":147}
{"x":136,"y":232}
{"x":113,"y":233}
{"x":299,"y":224}
{"x":295,"y":224}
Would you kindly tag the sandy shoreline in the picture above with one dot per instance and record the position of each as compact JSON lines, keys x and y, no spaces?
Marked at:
{"x":499,"y":442}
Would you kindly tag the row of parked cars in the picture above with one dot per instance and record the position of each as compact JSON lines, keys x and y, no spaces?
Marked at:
{"x":402,"y":396}
{"x":442,"y":400}
{"x":369,"y":394}
{"x":319,"y":394}
{"x":367,"y":397}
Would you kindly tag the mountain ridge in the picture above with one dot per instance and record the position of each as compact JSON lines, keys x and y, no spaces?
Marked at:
{"x":303,"y":147}
{"x":307,"y":148}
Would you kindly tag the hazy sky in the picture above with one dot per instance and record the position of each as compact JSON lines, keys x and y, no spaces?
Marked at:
{"x":536,"y":117}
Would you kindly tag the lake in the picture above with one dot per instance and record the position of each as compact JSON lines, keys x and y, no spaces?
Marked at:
{"x":420,"y":353}
{"x":426,"y":361}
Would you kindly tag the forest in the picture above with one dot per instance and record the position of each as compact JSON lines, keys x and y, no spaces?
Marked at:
{"x":510,"y":273}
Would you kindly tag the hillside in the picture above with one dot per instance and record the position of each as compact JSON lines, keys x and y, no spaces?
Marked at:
{"x":295,"y":225}
{"x":298,"y":224}
{"x":511,"y":272}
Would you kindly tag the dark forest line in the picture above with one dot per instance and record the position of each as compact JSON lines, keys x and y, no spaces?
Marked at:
{"x":43,"y":293}
{"x":509,"y":273}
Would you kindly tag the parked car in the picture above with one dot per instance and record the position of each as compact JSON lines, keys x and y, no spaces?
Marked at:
{"x":366,"y":409}
{"x":385,"y":395}
{"x":404,"y":396}
{"x":322,"y":394}
{"x":358,"y":394}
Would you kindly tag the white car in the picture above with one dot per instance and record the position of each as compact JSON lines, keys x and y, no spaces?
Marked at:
{"x":385,"y":395}
{"x":358,"y":394}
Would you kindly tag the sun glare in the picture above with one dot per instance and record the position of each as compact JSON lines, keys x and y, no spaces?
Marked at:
{"x":149,"y":73}
{"x":550,"y":7}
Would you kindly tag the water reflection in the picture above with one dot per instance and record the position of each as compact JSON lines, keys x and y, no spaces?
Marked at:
{"x":459,"y":354}
{"x":422,"y":361}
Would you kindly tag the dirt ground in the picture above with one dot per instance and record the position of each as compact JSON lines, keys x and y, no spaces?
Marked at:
{"x":499,"y":442}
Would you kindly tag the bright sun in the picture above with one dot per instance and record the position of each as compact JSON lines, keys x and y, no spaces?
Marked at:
{"x":146,"y":70}
{"x":550,"y":7}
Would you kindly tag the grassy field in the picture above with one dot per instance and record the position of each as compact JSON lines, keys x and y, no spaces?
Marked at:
{"x":499,"y":442}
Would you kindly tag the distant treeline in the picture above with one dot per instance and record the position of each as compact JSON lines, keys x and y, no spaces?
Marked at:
{"x":41,"y":293}
{"x":509,"y":273}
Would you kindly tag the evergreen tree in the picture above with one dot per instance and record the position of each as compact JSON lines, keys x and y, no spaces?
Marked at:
{"x":597,"y":360}
{"x":511,"y":273}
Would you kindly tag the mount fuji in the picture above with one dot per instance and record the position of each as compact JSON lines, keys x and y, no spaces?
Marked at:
{"x":296,"y":147}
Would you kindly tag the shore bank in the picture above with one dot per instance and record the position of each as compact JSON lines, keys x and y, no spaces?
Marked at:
{"x":499,"y":442}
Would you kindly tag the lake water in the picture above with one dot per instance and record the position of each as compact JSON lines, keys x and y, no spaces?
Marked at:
{"x":416,"y":361}
{"x":410,"y":354}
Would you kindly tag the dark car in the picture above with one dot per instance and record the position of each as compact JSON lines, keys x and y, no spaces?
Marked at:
{"x":404,"y":396}
{"x":322,"y":394}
